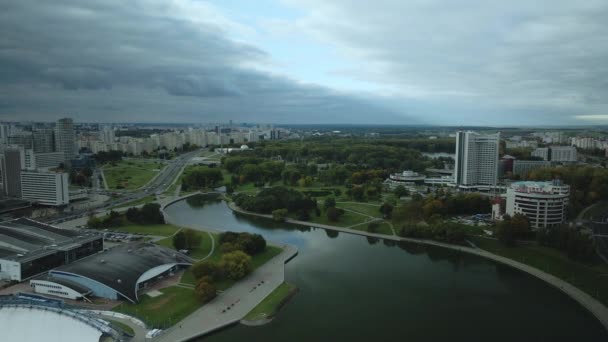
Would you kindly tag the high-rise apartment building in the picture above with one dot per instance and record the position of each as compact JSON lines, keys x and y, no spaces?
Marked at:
{"x":65,"y":139}
{"x":12,"y":164}
{"x":476,"y":159}
{"x":44,"y":140}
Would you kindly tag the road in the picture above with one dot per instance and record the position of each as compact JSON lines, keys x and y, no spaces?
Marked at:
{"x":157,"y":185}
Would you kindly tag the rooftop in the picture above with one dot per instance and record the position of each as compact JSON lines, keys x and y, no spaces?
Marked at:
{"x":24,"y":239}
{"x":121,"y":267}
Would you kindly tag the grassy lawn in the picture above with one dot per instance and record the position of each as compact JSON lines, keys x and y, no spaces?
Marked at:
{"x":346,"y":220}
{"x":197,"y":253}
{"x":165,"y":310}
{"x":122,"y":326}
{"x":130,"y":174}
{"x":592,"y":279}
{"x":147,"y":199}
{"x":272,"y":303}
{"x":152,"y":229}
{"x":256,"y":261}
{"x":363,"y":208}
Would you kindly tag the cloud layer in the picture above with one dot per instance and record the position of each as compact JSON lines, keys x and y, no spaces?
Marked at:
{"x":441,"y":62}
{"x":148,"y":61}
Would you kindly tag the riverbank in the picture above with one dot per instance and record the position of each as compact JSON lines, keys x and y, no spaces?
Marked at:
{"x":585,"y":300}
{"x":264,"y":312}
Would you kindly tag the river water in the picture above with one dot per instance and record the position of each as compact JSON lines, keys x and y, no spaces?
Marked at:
{"x":353,"y":288}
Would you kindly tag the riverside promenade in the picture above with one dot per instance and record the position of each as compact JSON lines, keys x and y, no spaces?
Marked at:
{"x":232,"y":305}
{"x":588,"y":302}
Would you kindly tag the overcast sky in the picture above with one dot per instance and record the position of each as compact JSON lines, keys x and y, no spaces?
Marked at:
{"x":306,"y":61}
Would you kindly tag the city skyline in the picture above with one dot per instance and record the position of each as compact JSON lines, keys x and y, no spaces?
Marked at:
{"x":291,"y":62}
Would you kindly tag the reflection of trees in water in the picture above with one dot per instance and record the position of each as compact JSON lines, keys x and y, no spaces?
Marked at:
{"x":372,"y":240}
{"x":389,"y":243}
{"x":199,"y":201}
{"x":412,"y":248}
{"x":332,"y":233}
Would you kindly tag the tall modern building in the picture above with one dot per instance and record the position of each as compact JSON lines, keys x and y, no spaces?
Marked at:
{"x":476,"y":159}
{"x":12,"y":164}
{"x":65,"y":139}
{"x":5,"y":131}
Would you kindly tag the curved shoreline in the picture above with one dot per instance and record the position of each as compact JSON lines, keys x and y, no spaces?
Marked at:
{"x":597,"y":309}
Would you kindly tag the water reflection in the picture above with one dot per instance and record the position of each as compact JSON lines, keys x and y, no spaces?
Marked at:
{"x":414,"y":292}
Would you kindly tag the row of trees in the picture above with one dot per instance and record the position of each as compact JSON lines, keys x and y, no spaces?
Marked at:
{"x":150,"y":213}
{"x":576,"y":244}
{"x":278,"y":197}
{"x":202,"y":177}
{"x":435,"y":207}
{"x":441,"y":231}
{"x":187,"y":239}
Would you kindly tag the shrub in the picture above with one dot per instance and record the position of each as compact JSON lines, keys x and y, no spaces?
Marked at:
{"x":205,"y":291}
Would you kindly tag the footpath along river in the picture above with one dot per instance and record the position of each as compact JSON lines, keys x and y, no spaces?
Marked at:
{"x":354,"y":288}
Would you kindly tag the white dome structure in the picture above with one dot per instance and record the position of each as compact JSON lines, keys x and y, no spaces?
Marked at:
{"x":16,"y":324}
{"x":244,"y":147}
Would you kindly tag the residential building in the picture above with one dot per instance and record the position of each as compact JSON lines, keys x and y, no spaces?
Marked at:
{"x":65,"y":138}
{"x":523,"y":167}
{"x":44,"y":140}
{"x":49,"y":160}
{"x":476,"y":159}
{"x":541,"y":152}
{"x":45,"y":187}
{"x":563,"y":154}
{"x":543,"y":203}
{"x":12,"y":164}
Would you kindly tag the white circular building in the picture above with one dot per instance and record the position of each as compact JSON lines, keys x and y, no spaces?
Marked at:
{"x":543,"y":203}
{"x":28,"y":322}
{"x":406,"y":178}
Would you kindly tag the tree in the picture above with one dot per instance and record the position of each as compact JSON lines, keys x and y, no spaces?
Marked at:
{"x":401,"y":191}
{"x":206,"y":268}
{"x":329,"y":202}
{"x":205,"y":291}
{"x":179,"y":240}
{"x":332,"y":214}
{"x":520,"y":225}
{"x":504,"y":232}
{"x":372,"y":227}
{"x":193,"y":238}
{"x":386,"y":209}
{"x":279,"y":215}
{"x":236,"y":265}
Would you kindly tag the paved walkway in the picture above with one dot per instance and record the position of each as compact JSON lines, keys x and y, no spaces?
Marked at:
{"x":594,"y":306}
{"x":232,"y":305}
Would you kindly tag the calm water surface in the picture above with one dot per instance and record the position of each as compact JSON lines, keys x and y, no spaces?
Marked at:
{"x":357,"y":289}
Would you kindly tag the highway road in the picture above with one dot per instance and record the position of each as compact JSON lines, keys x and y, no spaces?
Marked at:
{"x":157,"y":185}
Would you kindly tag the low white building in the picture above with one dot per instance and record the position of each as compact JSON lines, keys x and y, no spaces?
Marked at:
{"x":543,"y":203}
{"x":407,"y":179}
{"x":45,"y":187}
{"x":59,"y":288}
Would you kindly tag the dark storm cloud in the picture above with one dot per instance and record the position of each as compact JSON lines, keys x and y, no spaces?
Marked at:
{"x":146,"y":60}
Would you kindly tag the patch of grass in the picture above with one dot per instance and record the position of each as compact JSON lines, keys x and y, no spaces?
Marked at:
{"x":147,"y":199}
{"x":121,"y":325}
{"x":363,"y":208}
{"x":165,"y":310}
{"x":152,"y":229}
{"x":197,"y":253}
{"x":592,"y":279}
{"x":272,"y":303}
{"x":346,"y":220}
{"x":130,"y":174}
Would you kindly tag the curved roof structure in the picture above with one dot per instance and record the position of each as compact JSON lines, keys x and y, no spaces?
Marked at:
{"x":122,"y":268}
